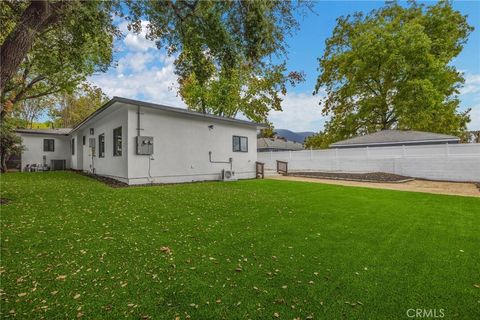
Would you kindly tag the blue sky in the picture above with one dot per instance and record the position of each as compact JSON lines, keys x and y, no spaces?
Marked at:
{"x":146,"y":73}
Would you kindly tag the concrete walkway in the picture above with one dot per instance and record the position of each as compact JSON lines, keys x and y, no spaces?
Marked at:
{"x":450,"y":188}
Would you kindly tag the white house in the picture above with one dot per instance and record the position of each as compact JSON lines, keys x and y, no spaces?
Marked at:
{"x":138,"y":142}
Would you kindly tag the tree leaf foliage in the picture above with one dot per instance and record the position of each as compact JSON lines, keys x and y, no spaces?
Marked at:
{"x":225,"y":51}
{"x":390,"y":69}
{"x":63,"y":55}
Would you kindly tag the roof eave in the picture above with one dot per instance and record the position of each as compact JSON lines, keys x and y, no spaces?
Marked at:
{"x":167,"y":109}
{"x":333,"y":145}
{"x":43,"y":133}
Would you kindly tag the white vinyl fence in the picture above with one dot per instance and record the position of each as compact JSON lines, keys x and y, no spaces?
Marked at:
{"x":452,"y":162}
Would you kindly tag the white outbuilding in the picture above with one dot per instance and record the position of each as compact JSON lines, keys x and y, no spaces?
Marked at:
{"x":138,"y":142}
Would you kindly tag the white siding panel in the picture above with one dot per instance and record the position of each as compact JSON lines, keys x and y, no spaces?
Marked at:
{"x":454,"y":162}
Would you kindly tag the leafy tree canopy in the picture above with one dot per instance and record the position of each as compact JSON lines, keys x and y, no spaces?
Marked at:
{"x":224,"y":51}
{"x":72,"y":108}
{"x":62,"y":55}
{"x":390,"y":69}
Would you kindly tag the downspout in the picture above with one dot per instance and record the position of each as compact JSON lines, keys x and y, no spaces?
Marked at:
{"x":138,"y":121}
{"x":150,"y":157}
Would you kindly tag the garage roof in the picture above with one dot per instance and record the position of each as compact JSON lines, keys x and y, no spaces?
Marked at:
{"x":396,"y":137}
{"x":50,"y":131}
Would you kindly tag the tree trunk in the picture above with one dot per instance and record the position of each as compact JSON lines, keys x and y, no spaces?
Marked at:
{"x":3,"y":164}
{"x":36,"y":17}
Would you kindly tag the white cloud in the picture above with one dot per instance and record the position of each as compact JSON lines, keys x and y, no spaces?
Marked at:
{"x":301,"y":112}
{"x":472,"y":84}
{"x":136,"y":79}
{"x":134,"y":41}
{"x":143,"y":72}
{"x":135,"y":62}
{"x":475,"y":118}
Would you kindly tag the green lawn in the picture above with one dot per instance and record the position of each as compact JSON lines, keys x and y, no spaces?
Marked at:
{"x":254,"y":249}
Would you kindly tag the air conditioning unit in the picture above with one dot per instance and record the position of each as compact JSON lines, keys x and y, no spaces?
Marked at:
{"x":228,"y":175}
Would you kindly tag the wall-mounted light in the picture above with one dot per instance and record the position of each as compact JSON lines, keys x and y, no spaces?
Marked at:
{"x":210,"y":127}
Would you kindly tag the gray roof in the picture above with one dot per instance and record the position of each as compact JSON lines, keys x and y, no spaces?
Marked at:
{"x":272,"y":143}
{"x":166,"y":108}
{"x":392,"y":137}
{"x":49,"y":131}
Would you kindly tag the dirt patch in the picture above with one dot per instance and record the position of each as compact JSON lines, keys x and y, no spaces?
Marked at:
{"x":118,"y":184}
{"x":426,"y":186}
{"x":4,"y":201}
{"x":108,"y":181}
{"x":363,"y":177}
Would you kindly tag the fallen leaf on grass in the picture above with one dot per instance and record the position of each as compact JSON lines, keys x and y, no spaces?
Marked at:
{"x":276,"y":315}
{"x":76,"y":296}
{"x":62,"y":277}
{"x":23,"y":294}
{"x":166,"y":250}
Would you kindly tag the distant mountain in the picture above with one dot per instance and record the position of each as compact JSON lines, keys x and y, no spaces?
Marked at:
{"x":293,"y":136}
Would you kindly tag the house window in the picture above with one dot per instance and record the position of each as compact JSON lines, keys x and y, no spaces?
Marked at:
{"x":101,"y":145}
{"x":73,"y":147}
{"x":48,"y":145}
{"x":240,"y":144}
{"x":92,"y":132}
{"x":84,"y":140}
{"x":117,"y":141}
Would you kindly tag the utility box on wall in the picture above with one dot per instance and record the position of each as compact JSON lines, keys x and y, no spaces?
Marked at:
{"x":144,"y":145}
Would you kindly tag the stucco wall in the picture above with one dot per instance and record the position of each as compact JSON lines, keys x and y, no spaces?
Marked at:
{"x":181,"y":147}
{"x":110,"y":165}
{"x":34,"y":153}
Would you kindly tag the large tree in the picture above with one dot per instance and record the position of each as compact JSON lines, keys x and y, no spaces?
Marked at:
{"x":391,"y":69}
{"x":225,"y":51}
{"x":223,"y":47}
{"x":30,"y":111}
{"x":60,"y":56}
{"x":31,"y":20}
{"x":72,"y":108}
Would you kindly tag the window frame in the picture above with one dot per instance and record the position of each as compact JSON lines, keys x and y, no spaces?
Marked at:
{"x":73,"y":146}
{"x":240,"y":138}
{"x":117,"y":152}
{"x":101,"y":145}
{"x":84,"y":140}
{"x":48,"y":145}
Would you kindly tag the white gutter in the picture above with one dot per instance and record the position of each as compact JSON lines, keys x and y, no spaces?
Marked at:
{"x":393,"y":142}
